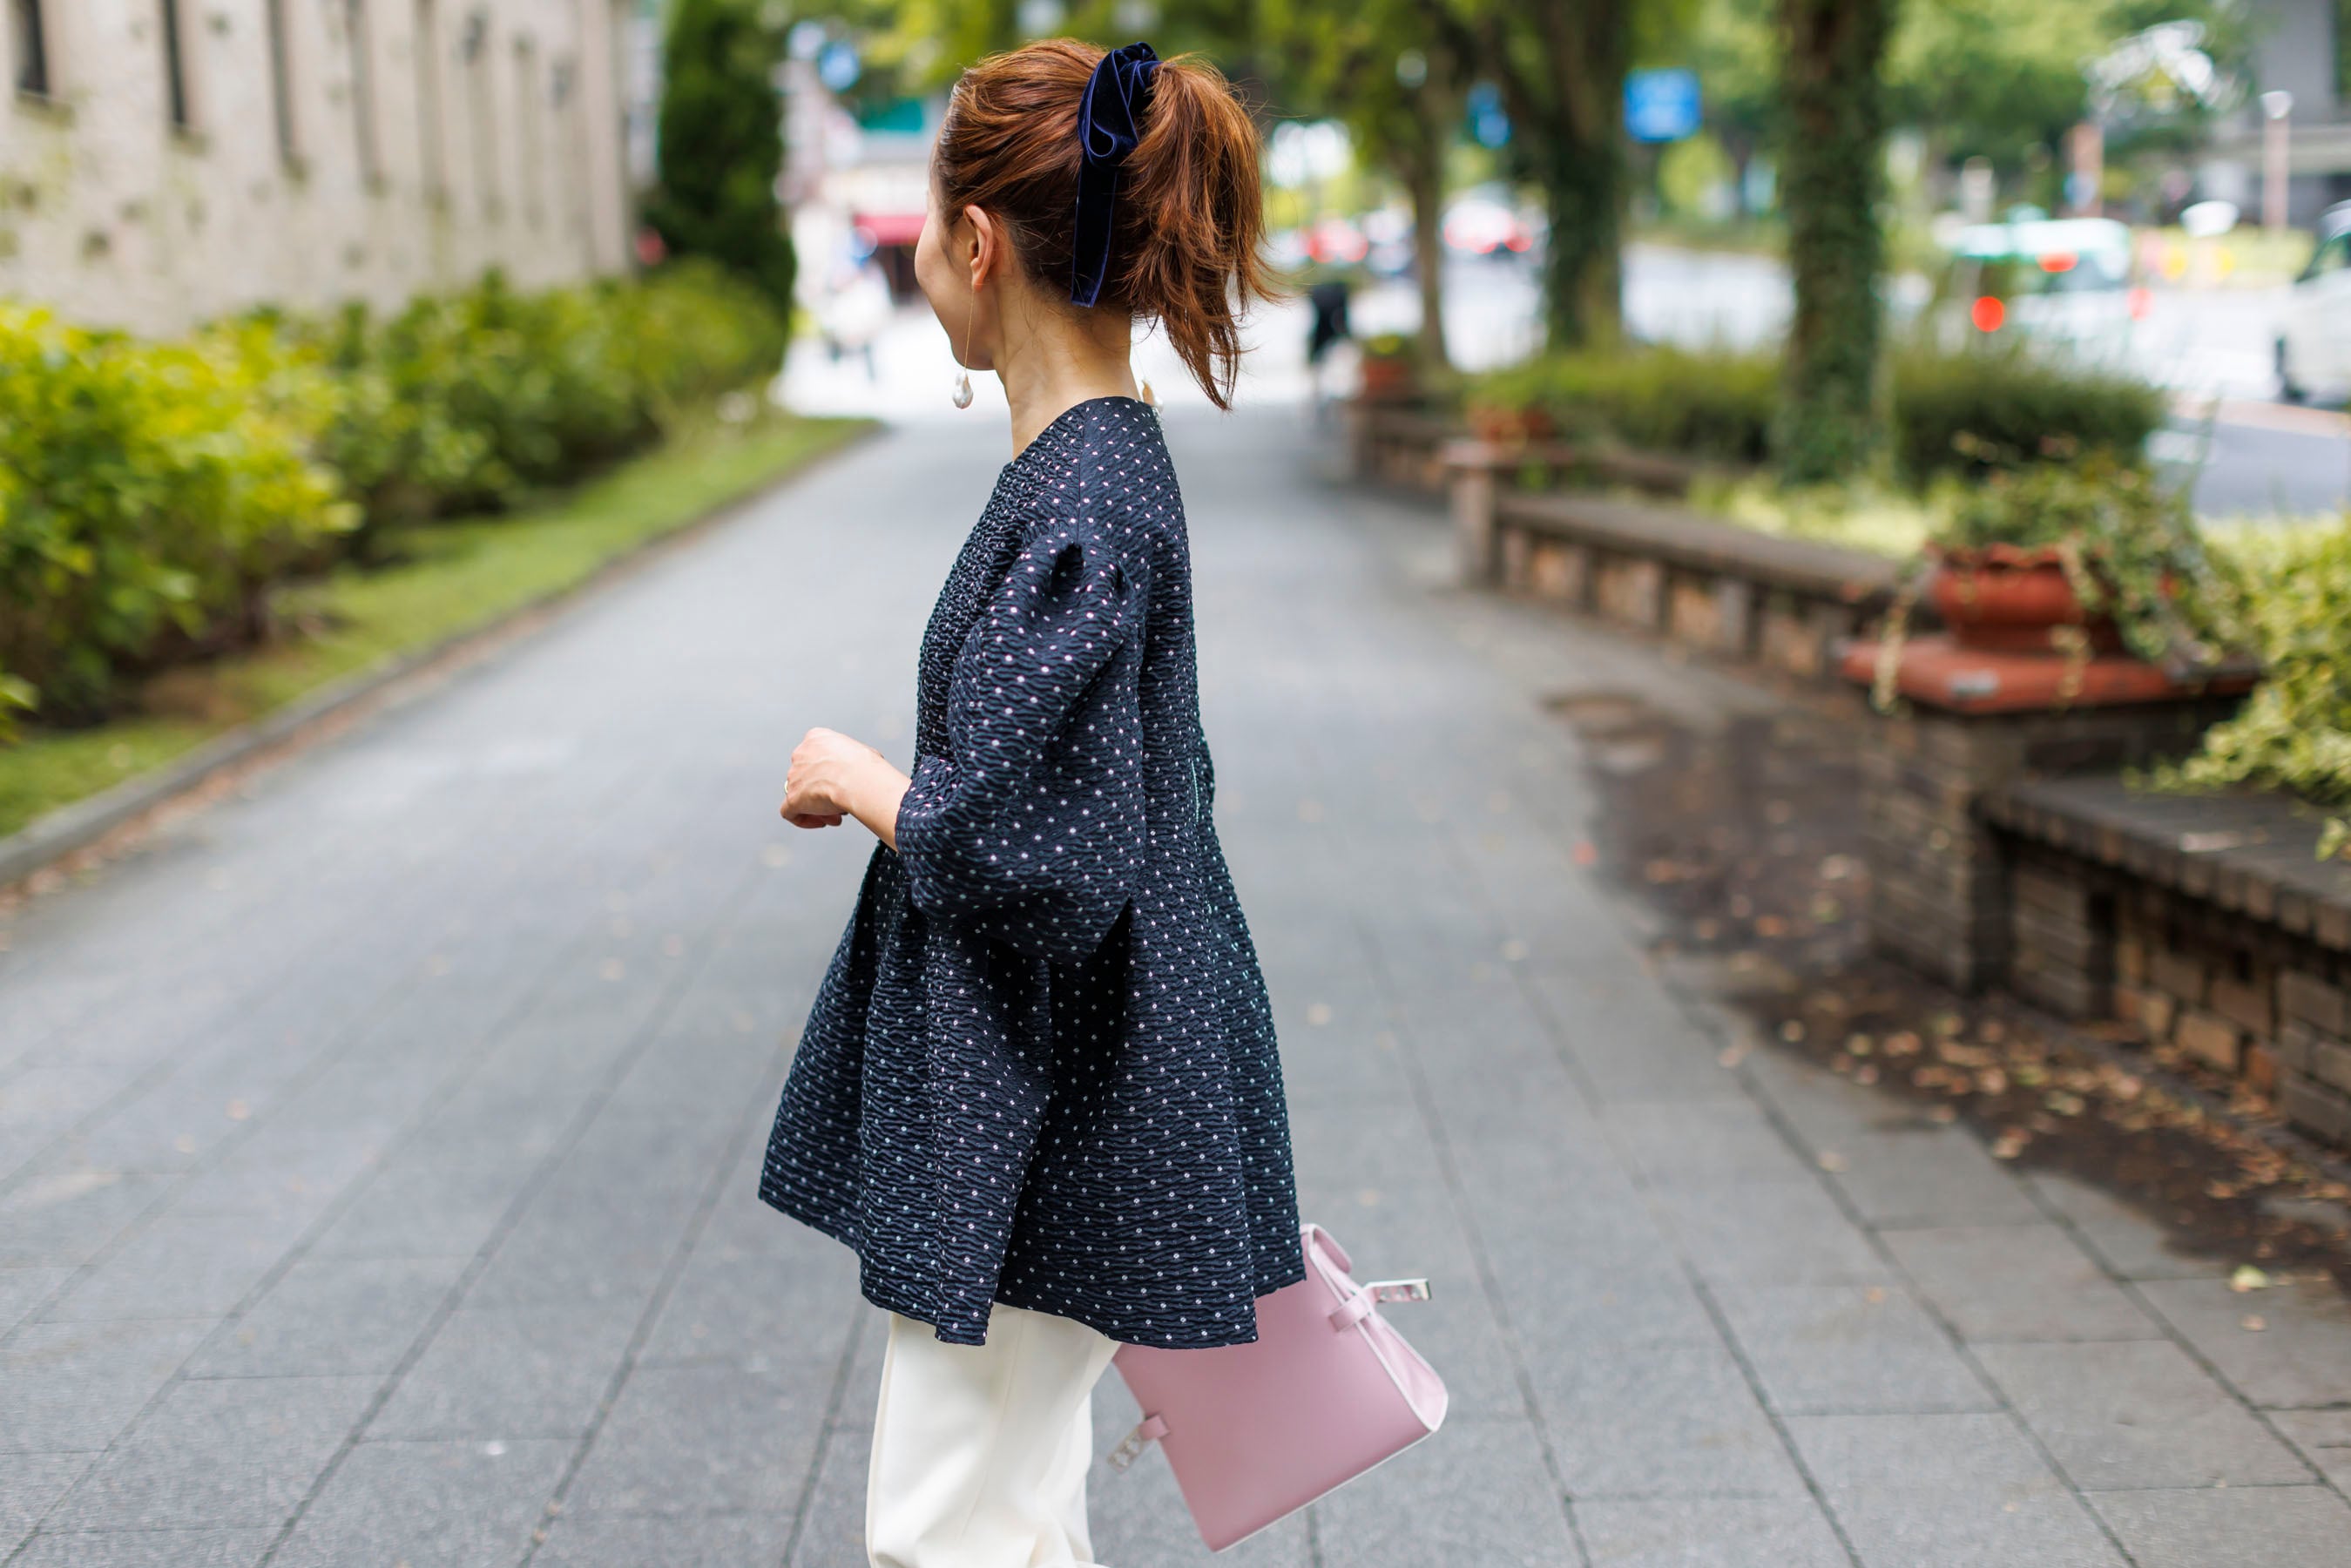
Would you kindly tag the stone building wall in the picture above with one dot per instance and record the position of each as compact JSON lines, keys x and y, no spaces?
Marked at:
{"x":322,"y":150}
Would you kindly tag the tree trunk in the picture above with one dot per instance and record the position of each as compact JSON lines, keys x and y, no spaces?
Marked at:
{"x":1582,"y":168}
{"x":1424,"y":181}
{"x":1831,"y":166}
{"x":1584,"y":269}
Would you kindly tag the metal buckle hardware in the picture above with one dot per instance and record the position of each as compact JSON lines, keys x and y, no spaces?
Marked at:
{"x":1398,"y":1290}
{"x":1132,"y":1445}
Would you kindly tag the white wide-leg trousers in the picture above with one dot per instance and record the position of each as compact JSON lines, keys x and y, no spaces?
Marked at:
{"x":980,"y":1451}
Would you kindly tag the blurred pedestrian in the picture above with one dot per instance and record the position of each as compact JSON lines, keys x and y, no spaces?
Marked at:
{"x":1038,"y":1090}
{"x":1326,"y":300}
{"x":854,"y":310}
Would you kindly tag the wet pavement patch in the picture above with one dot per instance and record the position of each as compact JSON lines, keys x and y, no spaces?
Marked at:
{"x":1746,"y":840}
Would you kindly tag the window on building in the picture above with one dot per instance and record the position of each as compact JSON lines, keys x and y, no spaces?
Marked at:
{"x":281,"y":82}
{"x":433,"y":148}
{"x":528,"y":118}
{"x":362,"y":44}
{"x":481,"y":110}
{"x":175,"y":70}
{"x":31,"y":45}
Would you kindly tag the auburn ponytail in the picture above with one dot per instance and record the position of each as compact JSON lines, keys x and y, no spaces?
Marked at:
{"x":1188,"y":226}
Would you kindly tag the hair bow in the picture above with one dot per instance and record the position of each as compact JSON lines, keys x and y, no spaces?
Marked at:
{"x":1109,"y":122}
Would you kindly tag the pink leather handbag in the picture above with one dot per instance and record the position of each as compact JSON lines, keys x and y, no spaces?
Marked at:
{"x":1326,"y":1391}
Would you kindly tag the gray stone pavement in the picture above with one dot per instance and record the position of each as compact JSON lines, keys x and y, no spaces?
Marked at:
{"x":378,"y":1149}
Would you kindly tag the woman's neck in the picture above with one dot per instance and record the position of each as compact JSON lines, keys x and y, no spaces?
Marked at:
{"x":1051,"y":364}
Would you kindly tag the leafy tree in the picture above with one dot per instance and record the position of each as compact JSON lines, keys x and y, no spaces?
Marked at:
{"x":722,"y":143}
{"x":1560,"y":66}
{"x":1832,"y":164}
{"x":1400,"y":93}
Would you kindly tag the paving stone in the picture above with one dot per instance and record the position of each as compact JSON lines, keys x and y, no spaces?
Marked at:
{"x":455,"y":1505}
{"x":579,"y":1247}
{"x":2298,"y":1355}
{"x":414,"y":1210}
{"x":706,"y":1439}
{"x":1666,"y":1420}
{"x":1926,"y":1175}
{"x":2324,"y":1438}
{"x":1707,"y":1143}
{"x":66,"y":1218}
{"x":1480,"y":1495}
{"x":1771,"y":1233}
{"x":755,"y":1312}
{"x":1821,"y":1349}
{"x":181,"y":1266}
{"x":30,"y":1485}
{"x":2137,"y":1415}
{"x":219,"y":1454}
{"x":65,"y":1386}
{"x":2017,"y":1283}
{"x":673,"y":1541}
{"x":2129,"y":1242}
{"x":148,"y":1549}
{"x":1965,"y":1451}
{"x":1942,"y":1491}
{"x":832,"y":1526}
{"x":2258,"y":1527}
{"x":1972,"y":1530}
{"x":1708,"y":1532}
{"x":331,"y":1315}
{"x":22,"y":1290}
{"x":511,"y":1372}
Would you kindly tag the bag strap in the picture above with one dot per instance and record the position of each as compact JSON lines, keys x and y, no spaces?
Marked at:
{"x":1134,"y":1442}
{"x":1358,"y":1307}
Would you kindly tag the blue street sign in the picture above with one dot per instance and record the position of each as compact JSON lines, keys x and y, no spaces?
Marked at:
{"x":838,"y":67}
{"x":1661,"y":106}
{"x":1487,"y":122}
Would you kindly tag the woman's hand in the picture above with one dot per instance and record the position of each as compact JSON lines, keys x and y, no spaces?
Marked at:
{"x":833,"y":776}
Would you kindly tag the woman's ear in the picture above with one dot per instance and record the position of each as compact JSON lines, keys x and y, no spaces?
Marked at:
{"x":987,"y":256}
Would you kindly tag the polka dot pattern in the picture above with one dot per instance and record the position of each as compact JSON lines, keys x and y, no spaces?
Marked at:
{"x":1041,"y":1066}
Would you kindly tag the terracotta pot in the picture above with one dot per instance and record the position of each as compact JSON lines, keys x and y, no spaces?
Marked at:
{"x":1510,"y":426}
{"x":1386,"y":376}
{"x":2001,"y":599}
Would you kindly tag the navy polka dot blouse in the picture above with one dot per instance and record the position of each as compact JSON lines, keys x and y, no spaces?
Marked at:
{"x":1040,"y":1068}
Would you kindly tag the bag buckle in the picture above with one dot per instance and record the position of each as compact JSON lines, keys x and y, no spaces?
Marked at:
{"x":1398,"y":1290}
{"x":1131,"y":1446}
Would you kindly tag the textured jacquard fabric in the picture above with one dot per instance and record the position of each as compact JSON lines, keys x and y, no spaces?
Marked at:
{"x":1040,"y":1068}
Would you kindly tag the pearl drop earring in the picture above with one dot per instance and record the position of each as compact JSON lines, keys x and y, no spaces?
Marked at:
{"x":963,"y":376}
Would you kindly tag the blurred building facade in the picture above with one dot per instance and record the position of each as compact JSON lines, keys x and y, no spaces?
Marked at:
{"x":165,"y":161}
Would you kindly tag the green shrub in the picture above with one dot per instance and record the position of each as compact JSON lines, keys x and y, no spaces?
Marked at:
{"x":152,"y":493}
{"x":2295,"y":731}
{"x":1993,"y":407}
{"x":1709,"y":405}
{"x":149,"y":492}
{"x":468,"y":402}
{"x":1968,"y":412}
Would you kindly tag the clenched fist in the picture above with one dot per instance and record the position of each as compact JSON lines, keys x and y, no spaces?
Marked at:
{"x":833,"y":776}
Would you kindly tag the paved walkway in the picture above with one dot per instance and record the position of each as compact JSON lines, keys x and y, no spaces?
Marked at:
{"x":377,"y":1153}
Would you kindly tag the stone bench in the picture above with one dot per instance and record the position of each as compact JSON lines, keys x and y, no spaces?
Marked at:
{"x":1785,"y":603}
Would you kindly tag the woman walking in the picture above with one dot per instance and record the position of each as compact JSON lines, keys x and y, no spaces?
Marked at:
{"x":1038,"y":1092}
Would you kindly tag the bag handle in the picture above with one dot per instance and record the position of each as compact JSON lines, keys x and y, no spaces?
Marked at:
{"x":1358,"y":1307}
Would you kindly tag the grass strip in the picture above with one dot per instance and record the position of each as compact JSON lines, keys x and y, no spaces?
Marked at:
{"x":449,"y":576}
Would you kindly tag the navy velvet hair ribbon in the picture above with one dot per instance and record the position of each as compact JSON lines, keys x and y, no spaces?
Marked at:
{"x":1109,"y":122}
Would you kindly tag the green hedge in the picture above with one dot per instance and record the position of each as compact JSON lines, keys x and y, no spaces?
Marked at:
{"x":2295,"y":731}
{"x":1997,"y":407}
{"x":1964,"y":411}
{"x":151,"y":492}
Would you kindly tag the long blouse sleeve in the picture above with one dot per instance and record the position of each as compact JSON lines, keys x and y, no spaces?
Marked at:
{"x":1032,"y":828}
